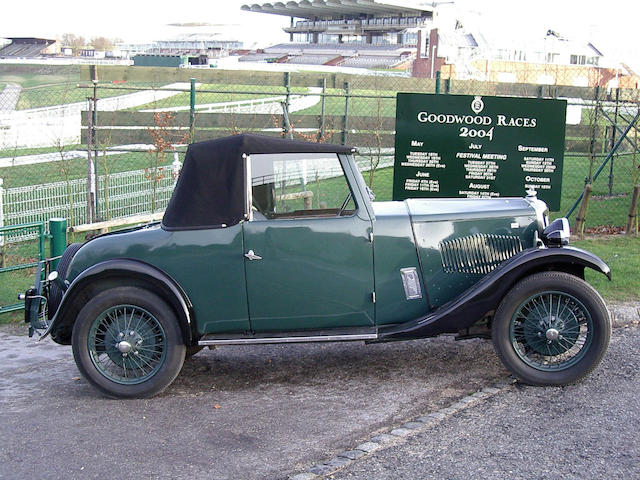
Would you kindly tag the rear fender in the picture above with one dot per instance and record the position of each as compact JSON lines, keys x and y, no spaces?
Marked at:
{"x":485,"y":296}
{"x":109,"y":274}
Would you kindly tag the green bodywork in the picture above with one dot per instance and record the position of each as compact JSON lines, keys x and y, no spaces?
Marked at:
{"x":323,"y":273}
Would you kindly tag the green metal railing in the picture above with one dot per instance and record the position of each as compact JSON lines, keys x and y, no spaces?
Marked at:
{"x":24,"y":228}
{"x":57,"y":236}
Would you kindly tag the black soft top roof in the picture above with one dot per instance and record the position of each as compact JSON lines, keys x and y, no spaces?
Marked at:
{"x":211,"y":189}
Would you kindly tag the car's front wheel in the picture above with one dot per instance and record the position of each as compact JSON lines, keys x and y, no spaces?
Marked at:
{"x":127,"y":343}
{"x":552,"y":328}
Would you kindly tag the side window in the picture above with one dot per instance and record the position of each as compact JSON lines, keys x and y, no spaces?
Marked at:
{"x":299,"y":185}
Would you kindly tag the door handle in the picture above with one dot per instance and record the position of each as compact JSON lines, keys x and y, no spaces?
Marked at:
{"x":252,"y":256}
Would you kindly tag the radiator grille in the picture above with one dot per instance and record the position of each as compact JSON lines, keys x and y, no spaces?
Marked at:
{"x":479,"y":253}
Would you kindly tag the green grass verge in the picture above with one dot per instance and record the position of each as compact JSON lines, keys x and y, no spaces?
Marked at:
{"x":19,"y":152}
{"x":46,"y":77}
{"x":19,"y":280}
{"x":61,"y":94}
{"x":622,"y":254}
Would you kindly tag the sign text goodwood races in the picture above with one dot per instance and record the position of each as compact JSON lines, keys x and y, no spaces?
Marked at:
{"x":466,"y":146}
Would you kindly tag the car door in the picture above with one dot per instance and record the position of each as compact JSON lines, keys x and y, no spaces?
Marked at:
{"x":308,"y":255}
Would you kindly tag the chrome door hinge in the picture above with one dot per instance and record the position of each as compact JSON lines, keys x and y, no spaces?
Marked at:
{"x":373,"y":297}
{"x":371,"y":237}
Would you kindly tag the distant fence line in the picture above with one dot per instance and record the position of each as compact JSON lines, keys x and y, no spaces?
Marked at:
{"x":357,"y":110}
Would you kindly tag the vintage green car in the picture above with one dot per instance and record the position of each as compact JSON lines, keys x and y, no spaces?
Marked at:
{"x":267,"y":240}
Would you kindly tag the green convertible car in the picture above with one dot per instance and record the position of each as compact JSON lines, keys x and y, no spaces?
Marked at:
{"x":268,"y":240}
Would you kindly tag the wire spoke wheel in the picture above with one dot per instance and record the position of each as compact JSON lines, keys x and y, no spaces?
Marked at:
{"x":127,"y":344}
{"x":551,"y":330}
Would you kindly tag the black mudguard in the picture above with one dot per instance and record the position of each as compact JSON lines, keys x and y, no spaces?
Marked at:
{"x":485,"y":296}
{"x":108,"y":273}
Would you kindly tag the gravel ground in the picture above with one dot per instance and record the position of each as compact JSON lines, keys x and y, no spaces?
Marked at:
{"x":237,"y":412}
{"x":584,"y":431}
{"x":271,"y":412}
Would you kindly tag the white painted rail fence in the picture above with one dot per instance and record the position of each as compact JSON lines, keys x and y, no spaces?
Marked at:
{"x":121,"y":195}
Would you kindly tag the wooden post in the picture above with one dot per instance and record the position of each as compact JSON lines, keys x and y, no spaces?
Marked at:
{"x":346,"y":114}
{"x":322,"y":109}
{"x":582,"y":212}
{"x":632,"y":222}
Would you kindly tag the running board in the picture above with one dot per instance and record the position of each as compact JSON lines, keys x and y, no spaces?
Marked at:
{"x":287,"y":337}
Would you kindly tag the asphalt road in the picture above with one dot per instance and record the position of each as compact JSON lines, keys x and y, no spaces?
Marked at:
{"x":258,"y":412}
{"x":586,"y":431}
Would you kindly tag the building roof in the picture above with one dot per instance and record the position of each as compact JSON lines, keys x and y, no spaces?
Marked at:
{"x":311,"y":9}
{"x":31,"y":40}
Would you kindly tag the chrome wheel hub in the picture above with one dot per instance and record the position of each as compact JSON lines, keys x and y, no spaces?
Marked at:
{"x":552,"y":334}
{"x":128,"y":343}
{"x":123,"y":346}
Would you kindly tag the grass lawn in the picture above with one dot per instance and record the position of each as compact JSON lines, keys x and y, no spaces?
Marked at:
{"x":17,"y":281}
{"x":46,"y":76}
{"x":60,"y":94}
{"x":357,"y":106}
{"x":622,"y":254}
{"x":207,"y":93}
{"x":59,"y":171}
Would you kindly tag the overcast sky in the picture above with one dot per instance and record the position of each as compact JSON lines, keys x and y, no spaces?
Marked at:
{"x":609,"y":25}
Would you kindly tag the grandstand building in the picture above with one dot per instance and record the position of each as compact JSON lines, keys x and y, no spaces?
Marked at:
{"x":29,"y":47}
{"x":414,"y":36}
{"x":185,"y":49}
{"x":363,"y":33}
{"x":195,"y":44}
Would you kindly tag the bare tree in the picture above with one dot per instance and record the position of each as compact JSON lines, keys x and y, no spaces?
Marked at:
{"x":101,"y":43}
{"x":164,"y":136}
{"x":76,"y":43}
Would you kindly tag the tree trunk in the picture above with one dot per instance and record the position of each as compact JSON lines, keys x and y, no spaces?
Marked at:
{"x":582,"y":212}
{"x":632,"y":221}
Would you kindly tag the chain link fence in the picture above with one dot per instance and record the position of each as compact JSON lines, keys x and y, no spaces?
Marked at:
{"x":89,"y":151}
{"x":126,"y":140}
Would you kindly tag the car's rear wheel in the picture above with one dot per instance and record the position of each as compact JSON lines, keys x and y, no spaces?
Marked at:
{"x":552,"y":328}
{"x":127,"y":343}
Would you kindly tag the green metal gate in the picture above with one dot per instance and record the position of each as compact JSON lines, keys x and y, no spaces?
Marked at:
{"x":22,"y":229}
{"x":57,"y":234}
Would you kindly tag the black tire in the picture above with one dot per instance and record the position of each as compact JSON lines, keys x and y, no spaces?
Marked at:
{"x":152,"y":351}
{"x":55,"y":292}
{"x":552,"y":328}
{"x":191,"y":351}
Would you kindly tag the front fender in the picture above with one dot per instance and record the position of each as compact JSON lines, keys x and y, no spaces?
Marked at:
{"x":110,"y":273}
{"x":485,"y":296}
